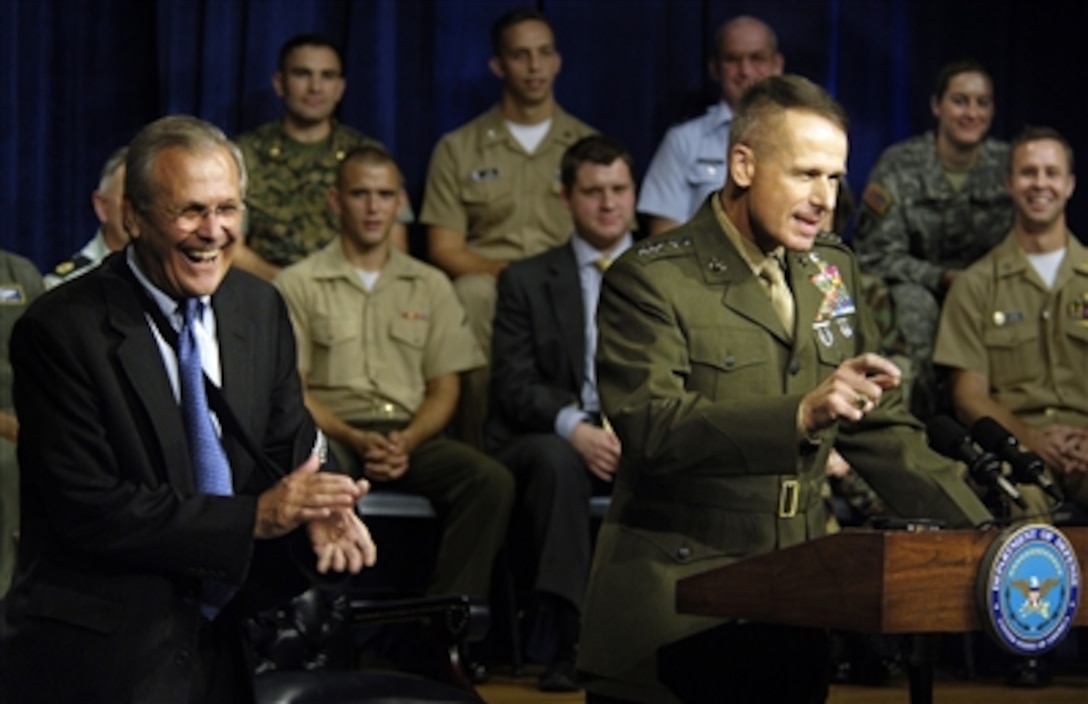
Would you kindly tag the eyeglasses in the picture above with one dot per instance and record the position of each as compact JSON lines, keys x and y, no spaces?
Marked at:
{"x":193,"y":216}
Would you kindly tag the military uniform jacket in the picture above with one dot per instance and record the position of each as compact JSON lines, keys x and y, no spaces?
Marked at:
{"x":913,"y":225}
{"x":506,"y":202}
{"x":702,"y":384}
{"x":288,"y":214}
{"x":1031,"y":341}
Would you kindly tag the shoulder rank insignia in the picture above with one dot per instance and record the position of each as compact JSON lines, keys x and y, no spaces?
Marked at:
{"x":877,"y":199}
{"x":662,"y":246}
{"x":69,"y":265}
{"x":12,"y":294}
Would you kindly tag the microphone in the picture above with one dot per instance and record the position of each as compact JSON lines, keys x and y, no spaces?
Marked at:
{"x":1027,"y":467}
{"x":949,"y":438}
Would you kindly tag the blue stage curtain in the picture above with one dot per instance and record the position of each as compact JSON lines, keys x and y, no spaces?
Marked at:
{"x":80,"y":77}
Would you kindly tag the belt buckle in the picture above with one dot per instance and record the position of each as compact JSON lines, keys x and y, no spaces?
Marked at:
{"x":789,"y":498}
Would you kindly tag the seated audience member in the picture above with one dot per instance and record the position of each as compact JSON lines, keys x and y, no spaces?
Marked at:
{"x":689,"y":164}
{"x":492,"y":194}
{"x":169,"y":483}
{"x":1013,"y":331}
{"x":20,"y":284}
{"x":545,"y":422}
{"x":381,"y":341}
{"x":934,"y":204}
{"x":292,"y":161}
{"x":733,"y":357}
{"x":111,"y":235}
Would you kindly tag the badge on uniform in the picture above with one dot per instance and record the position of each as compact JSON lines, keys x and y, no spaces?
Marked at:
{"x":415,"y":315}
{"x":12,"y":294}
{"x":1007,"y":317}
{"x":837,"y":301}
{"x":1078,"y":310}
{"x":484,"y":174}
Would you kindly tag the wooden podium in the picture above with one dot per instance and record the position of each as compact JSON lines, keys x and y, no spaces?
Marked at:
{"x":861,"y":580}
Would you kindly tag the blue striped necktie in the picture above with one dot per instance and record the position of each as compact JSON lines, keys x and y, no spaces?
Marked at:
{"x":210,"y":466}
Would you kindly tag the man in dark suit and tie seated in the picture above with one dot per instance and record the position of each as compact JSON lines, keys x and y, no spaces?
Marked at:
{"x":546,"y":424}
{"x":166,"y":456}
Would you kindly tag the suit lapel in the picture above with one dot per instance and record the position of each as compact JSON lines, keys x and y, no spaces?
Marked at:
{"x":237,"y":359}
{"x":806,"y":296}
{"x":141,"y":361}
{"x":744,"y":295}
{"x":564,"y":291}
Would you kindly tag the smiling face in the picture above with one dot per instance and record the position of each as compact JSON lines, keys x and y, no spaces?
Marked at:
{"x":1040,"y":183}
{"x":965,"y":110}
{"x":184,"y":239}
{"x":791,"y":175}
{"x":601,"y":202}
{"x":528,"y":62}
{"x":310,"y":83}
{"x":746,"y":53}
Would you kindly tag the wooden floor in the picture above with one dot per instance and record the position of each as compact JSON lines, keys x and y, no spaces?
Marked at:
{"x":1065,"y":690}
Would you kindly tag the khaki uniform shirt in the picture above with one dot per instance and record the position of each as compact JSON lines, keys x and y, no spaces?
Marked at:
{"x":368,"y":354}
{"x":482,"y":183}
{"x":20,"y":284}
{"x":288,"y":214}
{"x":1002,"y":321}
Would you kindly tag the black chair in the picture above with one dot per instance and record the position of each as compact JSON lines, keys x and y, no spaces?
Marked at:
{"x":307,"y":650}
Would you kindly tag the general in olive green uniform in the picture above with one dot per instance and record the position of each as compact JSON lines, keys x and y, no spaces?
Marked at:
{"x":1030,"y":341}
{"x":918,"y":220}
{"x":289,"y":217}
{"x":20,"y":284}
{"x":703,"y":385}
{"x":367,"y":355}
{"x":482,"y":182}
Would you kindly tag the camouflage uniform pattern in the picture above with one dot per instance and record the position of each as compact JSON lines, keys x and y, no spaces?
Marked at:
{"x":913,"y":225}
{"x":288,"y":214}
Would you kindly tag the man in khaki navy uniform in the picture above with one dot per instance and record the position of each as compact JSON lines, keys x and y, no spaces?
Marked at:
{"x":493,"y":191}
{"x":292,"y":161}
{"x":381,"y":341}
{"x":1014,"y":330}
{"x":111,"y":235}
{"x":20,"y":284}
{"x":728,"y":394}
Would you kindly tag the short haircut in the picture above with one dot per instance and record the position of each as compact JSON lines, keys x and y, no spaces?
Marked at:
{"x":594,"y":149}
{"x":175,"y":131}
{"x":109,"y":169}
{"x":955,"y":68}
{"x":371,"y":154}
{"x":308,"y":40}
{"x":1038,"y":133}
{"x":770,"y":97}
{"x":508,"y":20}
{"x":727,"y":25}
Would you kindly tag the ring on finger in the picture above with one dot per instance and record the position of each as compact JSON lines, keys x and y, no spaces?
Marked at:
{"x":862,"y":401}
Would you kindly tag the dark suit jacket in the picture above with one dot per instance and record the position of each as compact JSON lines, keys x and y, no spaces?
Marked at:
{"x":537,"y":346}
{"x":115,"y":541}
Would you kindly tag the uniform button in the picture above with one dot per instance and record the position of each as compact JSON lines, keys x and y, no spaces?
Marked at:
{"x":182,"y":657}
{"x":730,"y":362}
{"x":795,"y":367}
{"x":1046,"y":315}
{"x":683,"y":552}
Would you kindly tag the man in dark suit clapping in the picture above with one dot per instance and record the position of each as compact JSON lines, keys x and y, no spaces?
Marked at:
{"x":166,"y":456}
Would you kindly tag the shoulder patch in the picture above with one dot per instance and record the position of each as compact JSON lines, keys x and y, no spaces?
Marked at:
{"x":877,"y":199}
{"x":828,"y":237}
{"x":70,"y":265}
{"x":659,"y":247}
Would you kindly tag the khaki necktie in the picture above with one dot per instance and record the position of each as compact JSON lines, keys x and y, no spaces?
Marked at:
{"x":602,"y":264}
{"x":770,"y":273}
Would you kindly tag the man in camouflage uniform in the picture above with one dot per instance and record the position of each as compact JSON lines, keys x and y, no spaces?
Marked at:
{"x":111,"y":235}
{"x":933,"y":205}
{"x":292,"y":161}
